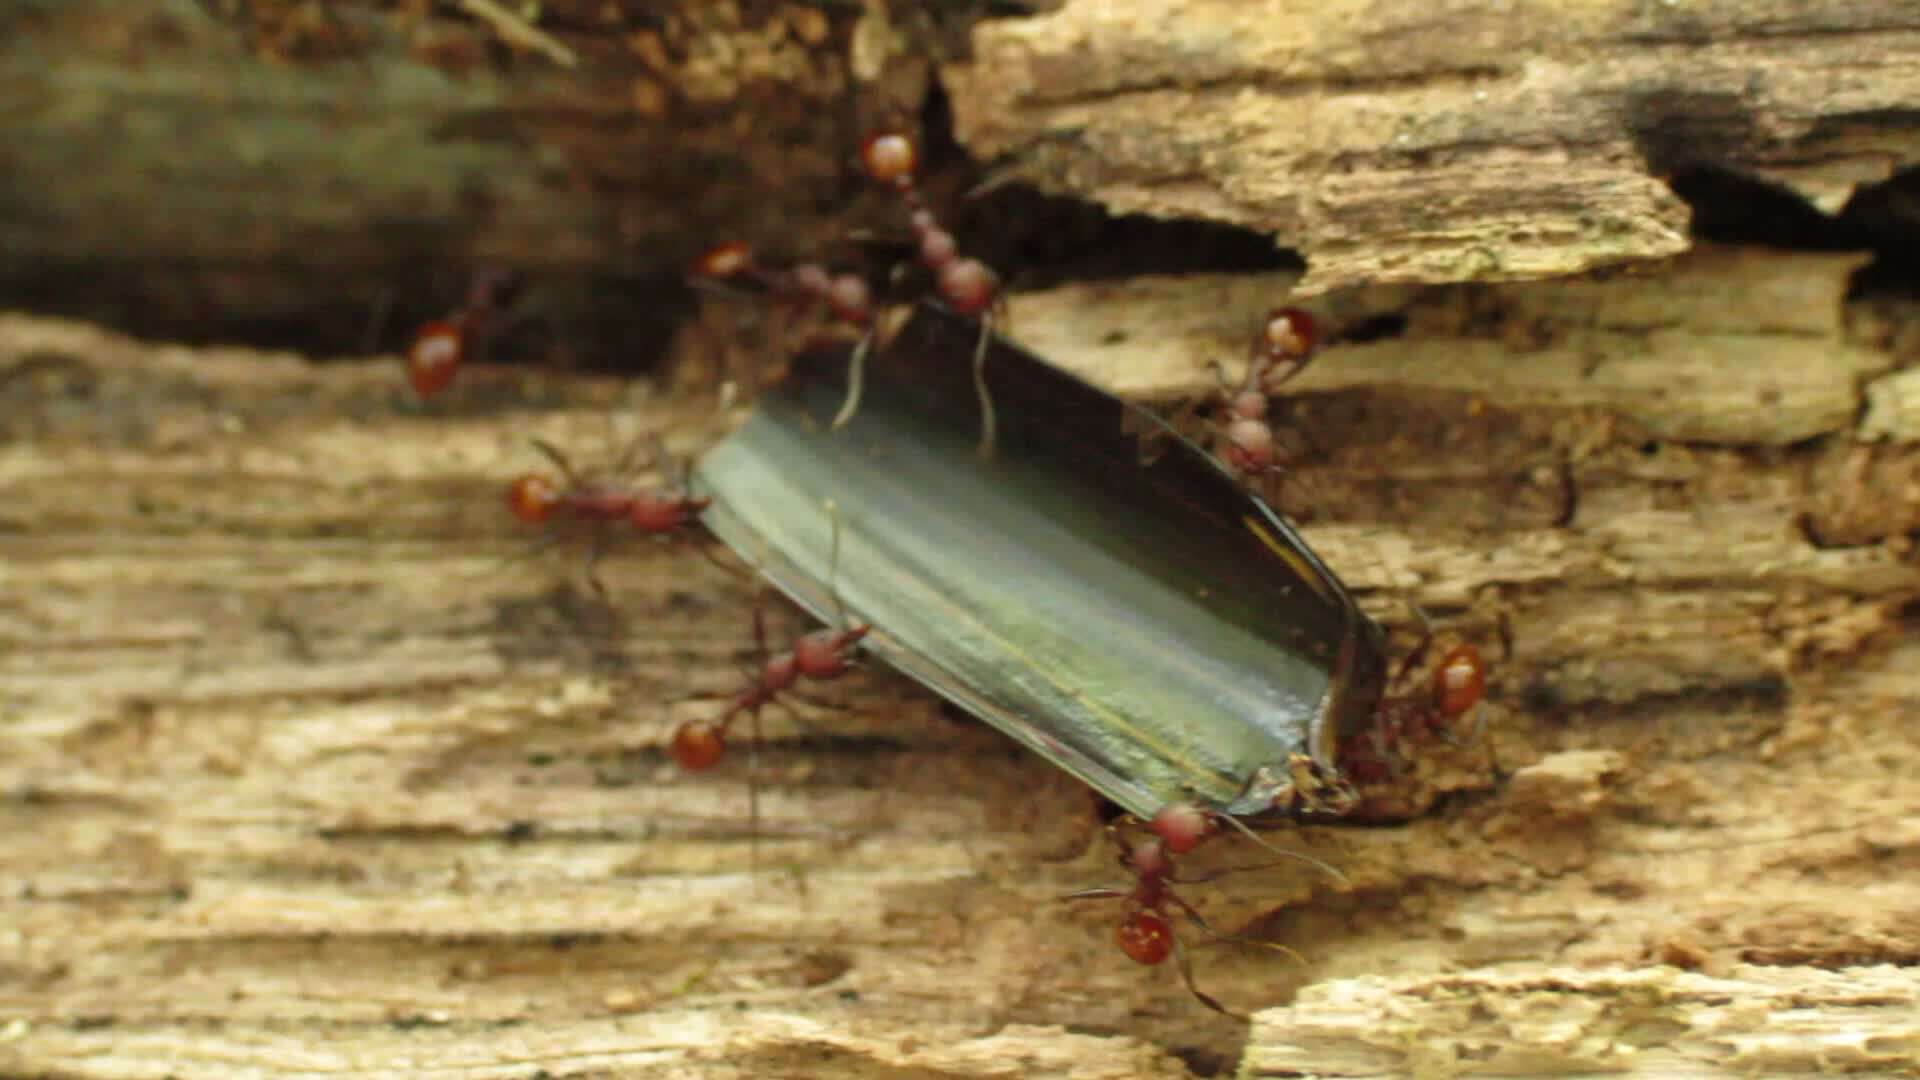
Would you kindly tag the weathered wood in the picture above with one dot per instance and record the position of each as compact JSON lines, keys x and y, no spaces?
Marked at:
{"x":1442,"y":142}
{"x":1657,"y":1022}
{"x":288,"y":168}
{"x":303,"y":774}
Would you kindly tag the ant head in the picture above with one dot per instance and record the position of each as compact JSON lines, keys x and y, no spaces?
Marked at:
{"x":532,"y":496}
{"x":780,"y":670}
{"x":891,"y":158}
{"x":1460,"y":682}
{"x":698,"y":745}
{"x":725,"y":262}
{"x":1289,"y":334}
{"x":825,"y":654}
{"x":435,"y":355}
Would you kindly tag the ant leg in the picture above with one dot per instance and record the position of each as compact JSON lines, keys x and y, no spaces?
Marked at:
{"x":1185,"y":963}
{"x":813,"y":702}
{"x":707,"y":551}
{"x":753,"y":793}
{"x":799,"y":720}
{"x":656,"y":457}
{"x":596,"y":547}
{"x":1418,"y":654}
{"x":857,"y":363}
{"x":1231,"y":939}
{"x":560,"y":461}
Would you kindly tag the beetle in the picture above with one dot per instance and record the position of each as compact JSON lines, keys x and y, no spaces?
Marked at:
{"x":1150,"y":626}
{"x":1143,"y":621}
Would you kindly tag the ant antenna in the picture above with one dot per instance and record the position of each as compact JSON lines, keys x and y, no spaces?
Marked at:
{"x":988,"y":425}
{"x":1324,"y":867}
{"x":856,"y":382}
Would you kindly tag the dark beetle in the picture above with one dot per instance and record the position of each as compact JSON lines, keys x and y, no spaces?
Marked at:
{"x":1148,"y":625}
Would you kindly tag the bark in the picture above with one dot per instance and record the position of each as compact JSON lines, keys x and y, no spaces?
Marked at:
{"x":1442,"y":142}
{"x":277,"y":168}
{"x":307,"y":771}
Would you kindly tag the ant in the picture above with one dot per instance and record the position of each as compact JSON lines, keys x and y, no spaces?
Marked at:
{"x":965,"y":284}
{"x":440,"y":347}
{"x":819,"y":655}
{"x":534,"y":498}
{"x":1457,"y":686}
{"x":1146,"y":931}
{"x":1282,"y":348}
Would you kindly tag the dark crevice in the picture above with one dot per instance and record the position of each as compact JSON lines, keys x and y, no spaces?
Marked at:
{"x":1040,"y":241}
{"x":1883,"y":219}
{"x":1730,"y":208}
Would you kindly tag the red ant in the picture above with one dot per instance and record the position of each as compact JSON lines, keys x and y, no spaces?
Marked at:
{"x":439,"y":348}
{"x":820,"y":655}
{"x":534,"y":498}
{"x":965,"y":284}
{"x":1282,"y":348}
{"x":1146,"y":932}
{"x":1456,"y":687}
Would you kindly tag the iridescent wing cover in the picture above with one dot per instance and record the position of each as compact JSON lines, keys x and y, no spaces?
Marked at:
{"x":1146,"y":625}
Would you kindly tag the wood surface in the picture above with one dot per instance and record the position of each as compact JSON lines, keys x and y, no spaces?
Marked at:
{"x":308,"y":766}
{"x":1455,"y":140}
{"x":306,"y":771}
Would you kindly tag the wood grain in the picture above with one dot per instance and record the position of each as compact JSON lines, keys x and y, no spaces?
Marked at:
{"x":1442,"y":142}
{"x":305,"y":771}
